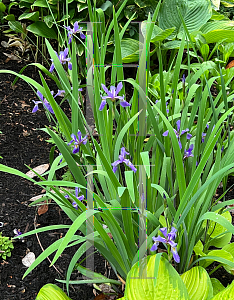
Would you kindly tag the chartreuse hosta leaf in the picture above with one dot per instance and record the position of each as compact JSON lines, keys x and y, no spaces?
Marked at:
{"x":198,"y":284}
{"x":218,"y":253}
{"x":217,"y":286}
{"x":216,"y":229}
{"x":141,"y":285}
{"x":51,"y":292}
{"x":230,"y":249}
{"x":225,"y":294}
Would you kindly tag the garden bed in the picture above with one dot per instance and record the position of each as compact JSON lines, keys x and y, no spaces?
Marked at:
{"x":22,"y":144}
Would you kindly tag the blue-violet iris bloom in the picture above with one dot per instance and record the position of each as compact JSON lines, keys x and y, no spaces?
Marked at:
{"x":43,"y":101}
{"x":188,"y":153}
{"x":178,"y":134}
{"x":63,"y":59}
{"x":169,"y":240}
{"x":17,"y":232}
{"x":76,"y":29}
{"x":122,"y":159}
{"x":80,"y":198}
{"x":113,"y":94}
{"x":77,"y":142}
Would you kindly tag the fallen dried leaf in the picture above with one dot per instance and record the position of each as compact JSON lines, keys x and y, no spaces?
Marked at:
{"x":39,"y":169}
{"x":230,"y":65}
{"x":11,"y":56}
{"x":36,"y":197}
{"x":42,"y":209}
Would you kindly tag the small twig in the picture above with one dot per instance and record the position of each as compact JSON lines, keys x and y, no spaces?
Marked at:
{"x":39,"y":242}
{"x":44,"y":250}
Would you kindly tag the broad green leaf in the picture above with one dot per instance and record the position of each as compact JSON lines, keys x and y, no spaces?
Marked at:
{"x":129,"y":50}
{"x":218,"y":34}
{"x":229,"y":248}
{"x":2,"y":7}
{"x":40,"y":3}
{"x":106,"y":5}
{"x":226,"y":294}
{"x":49,"y":21}
{"x":194,"y":12}
{"x":210,"y":26}
{"x":34,"y":16}
{"x":140,"y":282}
{"x":198,"y":284}
{"x":218,"y":253}
{"x":51,"y":291}
{"x":16,"y":26}
{"x":198,"y":248}
{"x":215,"y":229}
{"x":217,"y":286}
{"x":41,"y":29}
{"x":158,"y":34}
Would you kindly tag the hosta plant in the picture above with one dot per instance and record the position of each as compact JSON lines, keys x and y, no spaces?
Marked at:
{"x":155,"y":278}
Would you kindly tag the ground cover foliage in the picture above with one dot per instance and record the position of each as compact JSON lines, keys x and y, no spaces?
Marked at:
{"x":142,"y":177}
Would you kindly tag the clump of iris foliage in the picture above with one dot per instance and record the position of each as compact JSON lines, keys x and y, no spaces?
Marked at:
{"x":150,"y":186}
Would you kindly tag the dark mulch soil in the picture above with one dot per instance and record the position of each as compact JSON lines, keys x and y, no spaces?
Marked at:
{"x":21,"y":143}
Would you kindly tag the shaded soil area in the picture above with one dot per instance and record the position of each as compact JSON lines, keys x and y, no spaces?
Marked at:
{"x":22,"y":143}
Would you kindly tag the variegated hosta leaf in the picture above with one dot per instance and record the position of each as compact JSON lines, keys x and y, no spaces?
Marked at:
{"x":229,"y":3}
{"x":226,"y":294}
{"x":215,"y":4}
{"x":141,"y":285}
{"x":198,"y":284}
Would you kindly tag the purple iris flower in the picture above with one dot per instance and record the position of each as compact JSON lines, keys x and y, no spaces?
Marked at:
{"x":203,"y":137}
{"x":63,"y":59}
{"x":74,"y":31}
{"x":62,"y":93}
{"x":178,"y":134}
{"x":17,"y":232}
{"x":113,"y":94}
{"x":78,"y":142}
{"x":188,"y":153}
{"x":43,"y":101}
{"x":122,"y":159}
{"x":183,"y":79}
{"x":80,"y":198}
{"x":169,"y":239}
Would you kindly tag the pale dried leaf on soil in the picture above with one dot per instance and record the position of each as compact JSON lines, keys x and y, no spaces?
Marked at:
{"x":39,"y":169}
